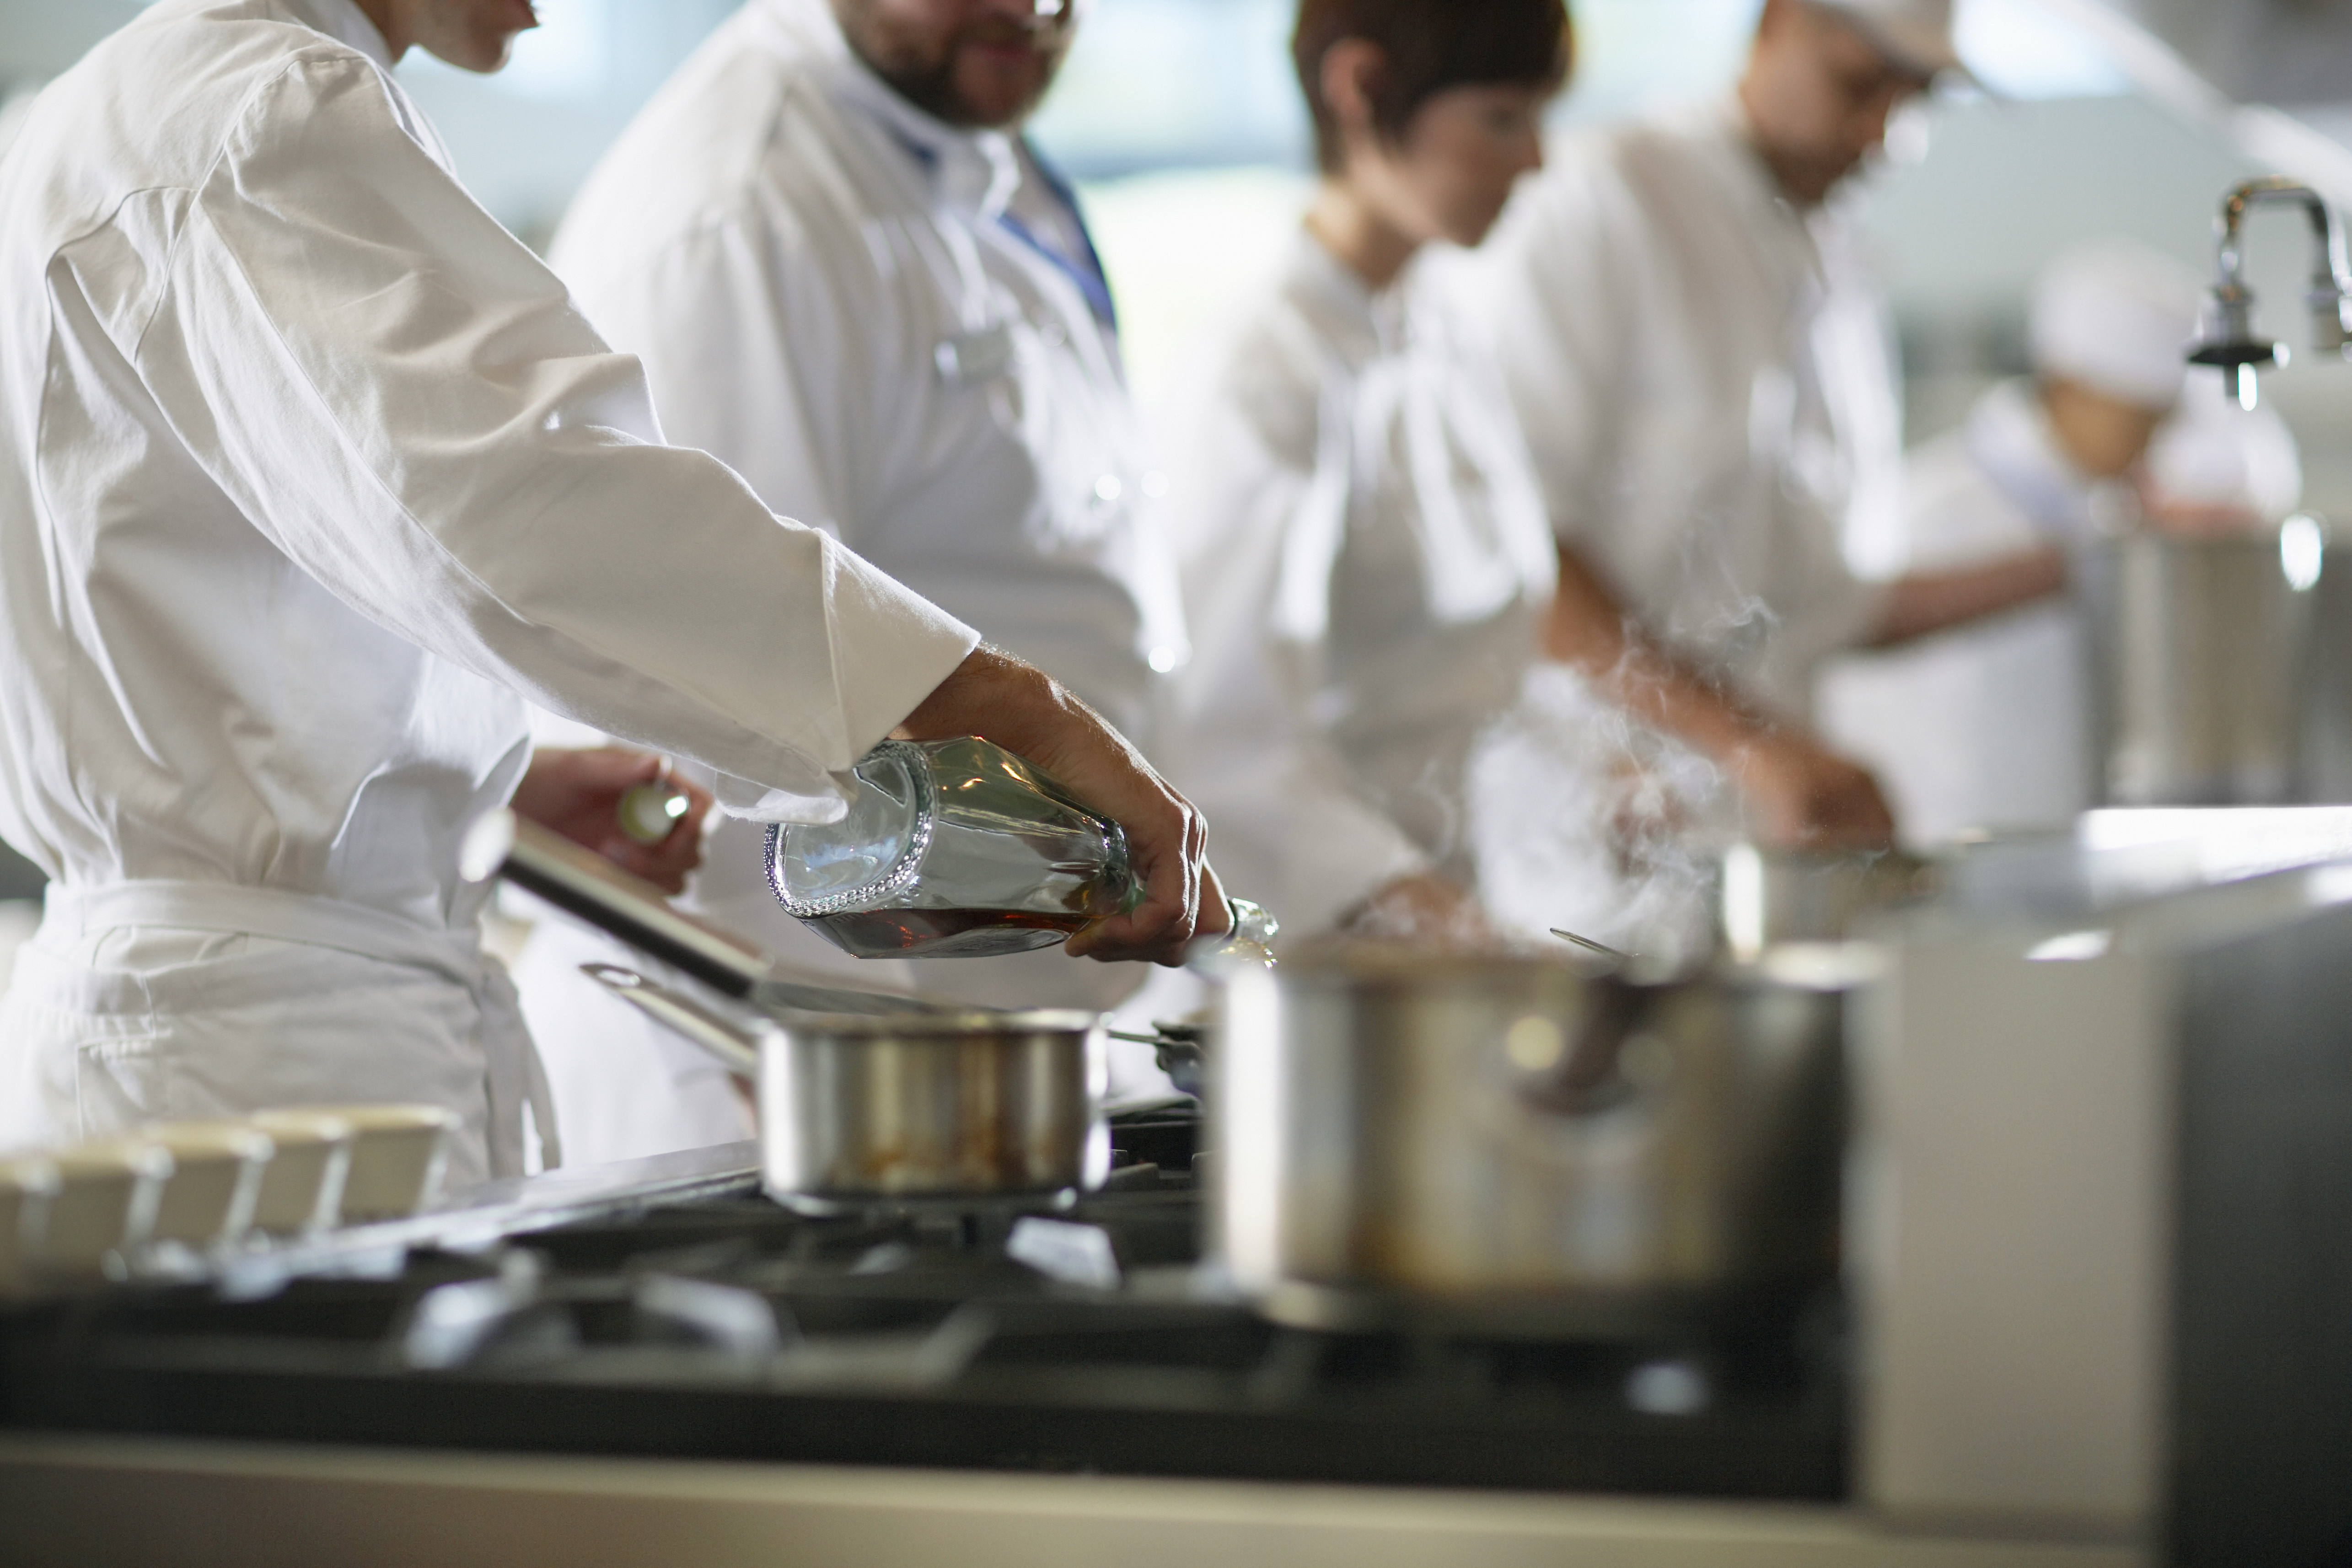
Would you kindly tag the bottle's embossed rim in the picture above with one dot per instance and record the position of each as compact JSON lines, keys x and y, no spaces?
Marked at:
{"x":908,"y":865}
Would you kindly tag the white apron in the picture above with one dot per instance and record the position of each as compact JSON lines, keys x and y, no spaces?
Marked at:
{"x":309,"y":1000}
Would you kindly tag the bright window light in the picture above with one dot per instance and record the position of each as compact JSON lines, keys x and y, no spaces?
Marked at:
{"x":2074,"y":947}
{"x":566,"y":58}
{"x":2302,"y":551}
{"x":2026,"y":49}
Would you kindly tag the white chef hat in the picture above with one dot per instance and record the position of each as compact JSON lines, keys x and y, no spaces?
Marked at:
{"x":2212,"y":455}
{"x":2117,"y":317}
{"x":1914,"y":34}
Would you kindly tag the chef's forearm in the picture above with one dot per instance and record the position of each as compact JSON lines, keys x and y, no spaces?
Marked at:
{"x":1929,"y":601}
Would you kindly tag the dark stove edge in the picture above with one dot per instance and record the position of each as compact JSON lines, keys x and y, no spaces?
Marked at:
{"x":931,"y":1432}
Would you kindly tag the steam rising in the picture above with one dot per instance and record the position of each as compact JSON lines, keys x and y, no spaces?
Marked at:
{"x":1583,"y":817}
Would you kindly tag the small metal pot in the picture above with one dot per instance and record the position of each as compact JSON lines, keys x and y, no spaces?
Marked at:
{"x":956,"y":1106}
{"x":1519,"y":1142}
{"x":984,"y":1105}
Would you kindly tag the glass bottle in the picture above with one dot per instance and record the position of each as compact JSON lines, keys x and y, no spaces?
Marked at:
{"x":951,"y":849}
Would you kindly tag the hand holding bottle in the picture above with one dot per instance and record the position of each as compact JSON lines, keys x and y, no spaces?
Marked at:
{"x":1019,"y":707}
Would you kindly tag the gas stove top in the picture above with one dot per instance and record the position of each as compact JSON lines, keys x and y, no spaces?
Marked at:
{"x":696,"y":1319}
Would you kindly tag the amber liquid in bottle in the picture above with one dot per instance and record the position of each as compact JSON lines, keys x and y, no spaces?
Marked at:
{"x":962,"y":934}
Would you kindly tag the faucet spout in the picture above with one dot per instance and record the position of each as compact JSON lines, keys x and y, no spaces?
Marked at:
{"x":2229,"y":341}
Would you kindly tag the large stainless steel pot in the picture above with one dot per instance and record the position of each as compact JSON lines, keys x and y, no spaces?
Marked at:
{"x":2199,"y":644}
{"x":1520,"y":1141}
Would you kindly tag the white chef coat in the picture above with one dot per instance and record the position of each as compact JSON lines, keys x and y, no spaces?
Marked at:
{"x":1707,"y":386}
{"x":884,"y":323}
{"x":307,"y":470}
{"x":899,"y":331}
{"x":1365,"y":557}
{"x":1985,"y":725}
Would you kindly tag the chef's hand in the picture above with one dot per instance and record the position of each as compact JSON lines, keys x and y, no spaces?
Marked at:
{"x":578,"y":794}
{"x":1808,"y":796}
{"x":1002,"y":699}
{"x":1424,"y":908}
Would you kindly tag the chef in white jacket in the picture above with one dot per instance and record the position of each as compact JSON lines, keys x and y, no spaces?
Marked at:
{"x":1705,"y":381}
{"x":311,"y":474}
{"x":1988,"y":726}
{"x":851,"y":279}
{"x":1367,"y":563}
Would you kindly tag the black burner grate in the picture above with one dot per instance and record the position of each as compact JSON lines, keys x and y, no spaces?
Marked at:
{"x":731,"y":1328}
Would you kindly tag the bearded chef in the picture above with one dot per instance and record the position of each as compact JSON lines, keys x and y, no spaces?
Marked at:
{"x":851,"y":279}
{"x":1988,"y":726}
{"x":311,"y":475}
{"x":1706,"y":384}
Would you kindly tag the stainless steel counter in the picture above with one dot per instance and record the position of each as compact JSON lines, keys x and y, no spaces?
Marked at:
{"x":80,"y":1501}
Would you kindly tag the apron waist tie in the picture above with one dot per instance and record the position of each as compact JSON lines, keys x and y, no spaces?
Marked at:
{"x":516,"y":1077}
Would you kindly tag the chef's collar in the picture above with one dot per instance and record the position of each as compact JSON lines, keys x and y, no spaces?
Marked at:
{"x":1741,"y":163}
{"x":1786,"y":239}
{"x":1380,"y":315}
{"x":345,"y":22}
{"x":971,"y":170}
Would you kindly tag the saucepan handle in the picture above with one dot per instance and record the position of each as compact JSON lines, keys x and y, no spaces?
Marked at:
{"x":589,"y":888}
{"x":736,"y":1046}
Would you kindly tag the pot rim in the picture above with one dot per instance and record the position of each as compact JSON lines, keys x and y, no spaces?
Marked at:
{"x":1841,"y":965}
{"x":1401,"y":962}
{"x":848,"y":1027}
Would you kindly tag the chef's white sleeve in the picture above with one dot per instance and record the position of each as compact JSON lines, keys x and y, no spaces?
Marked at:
{"x":406,"y":403}
{"x":1556,"y":314}
{"x":763,"y":353}
{"x":1253,"y":753}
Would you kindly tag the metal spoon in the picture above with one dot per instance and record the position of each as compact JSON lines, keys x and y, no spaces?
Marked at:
{"x":1604,"y":950}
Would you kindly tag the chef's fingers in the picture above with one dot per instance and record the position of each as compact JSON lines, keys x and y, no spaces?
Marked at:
{"x":577,"y":793}
{"x":1847,"y":811}
{"x":1164,"y":843}
{"x":668,"y":863}
{"x":1810,"y":796}
{"x":1006,"y":699}
{"x":1216,"y":917}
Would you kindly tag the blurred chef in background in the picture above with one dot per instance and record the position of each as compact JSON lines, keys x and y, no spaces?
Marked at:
{"x":1366,"y":556}
{"x":1989,"y":726}
{"x":851,"y":278}
{"x":1706,"y":385}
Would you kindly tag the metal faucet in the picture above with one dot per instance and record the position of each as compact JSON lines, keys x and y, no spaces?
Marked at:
{"x":2229,"y":341}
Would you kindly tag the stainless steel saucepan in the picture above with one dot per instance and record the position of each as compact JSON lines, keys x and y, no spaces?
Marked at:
{"x":857,"y":1109}
{"x":863,"y":1098}
{"x":1522,"y":1141}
